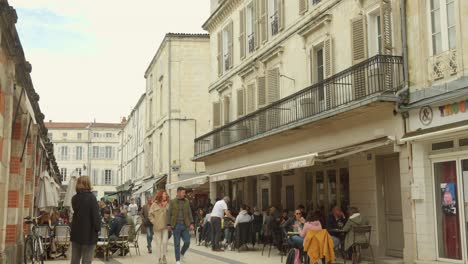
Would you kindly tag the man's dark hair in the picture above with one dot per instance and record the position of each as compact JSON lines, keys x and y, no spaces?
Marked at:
{"x":179,"y":189}
{"x":107,"y":211}
{"x":312,"y":216}
{"x":301,"y":207}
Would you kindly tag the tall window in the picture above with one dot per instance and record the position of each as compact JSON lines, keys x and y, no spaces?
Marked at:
{"x":64,"y":152}
{"x":443,"y":22}
{"x":79,"y":153}
{"x":108,"y":152}
{"x":95,"y":177}
{"x":250,"y":27}
{"x":161,"y":101}
{"x":150,"y":112}
{"x":107,"y":177}
{"x":96,"y":135}
{"x":375,"y":33}
{"x":273,"y":17}
{"x":78,"y":171}
{"x":109,"y":135}
{"x":63,"y":171}
{"x":225,"y":48}
{"x":95,"y":152}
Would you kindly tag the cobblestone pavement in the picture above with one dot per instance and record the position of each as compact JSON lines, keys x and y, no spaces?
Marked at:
{"x":195,"y":255}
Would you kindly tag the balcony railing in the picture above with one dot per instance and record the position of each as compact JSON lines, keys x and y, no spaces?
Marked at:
{"x":381,"y":73}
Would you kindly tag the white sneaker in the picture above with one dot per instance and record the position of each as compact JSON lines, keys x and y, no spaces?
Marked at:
{"x":177,"y":262}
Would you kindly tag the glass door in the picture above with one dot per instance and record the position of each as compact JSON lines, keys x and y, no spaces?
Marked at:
{"x":447,"y":210}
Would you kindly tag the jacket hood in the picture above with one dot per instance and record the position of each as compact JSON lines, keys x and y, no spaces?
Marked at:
{"x":243,"y":212}
{"x":356,"y":218}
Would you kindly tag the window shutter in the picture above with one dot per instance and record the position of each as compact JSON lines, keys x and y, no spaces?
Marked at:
{"x":242,"y":33}
{"x":102,"y":152}
{"x":273,"y":85}
{"x":303,"y":6}
{"x":240,"y":102}
{"x":216,"y":114}
{"x":281,"y":14}
{"x":226,"y":106}
{"x":386,"y":26}
{"x":220,"y":53}
{"x":250,"y":98}
{"x":358,"y":43}
{"x":263,"y":10}
{"x":256,"y":24}
{"x":261,"y":92}
{"x":113,"y":178}
{"x":230,"y":30}
{"x":328,"y":56}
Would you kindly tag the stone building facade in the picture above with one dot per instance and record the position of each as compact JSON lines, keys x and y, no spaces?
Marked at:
{"x":25,"y":151}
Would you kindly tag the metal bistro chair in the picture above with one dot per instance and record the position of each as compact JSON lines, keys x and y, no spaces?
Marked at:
{"x":103,"y":244}
{"x":362,"y":237}
{"x":122,"y":241}
{"x":44,"y":232}
{"x":134,"y":243}
{"x":62,"y":239}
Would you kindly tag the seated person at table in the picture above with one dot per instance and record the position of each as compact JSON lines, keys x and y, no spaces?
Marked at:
{"x":131,"y":222}
{"x":355,"y":219}
{"x":106,"y":218}
{"x":228,"y":227}
{"x":296,"y":220}
{"x":312,"y":222}
{"x":243,"y":216}
{"x":117,"y":224}
{"x":336,"y":220}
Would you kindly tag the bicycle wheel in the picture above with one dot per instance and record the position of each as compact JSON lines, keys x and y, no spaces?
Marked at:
{"x":28,"y":251}
{"x":38,"y":250}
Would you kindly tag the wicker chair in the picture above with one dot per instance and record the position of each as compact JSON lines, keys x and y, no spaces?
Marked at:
{"x":122,"y":241}
{"x":103,"y":244}
{"x":134,"y":243}
{"x":62,"y":239}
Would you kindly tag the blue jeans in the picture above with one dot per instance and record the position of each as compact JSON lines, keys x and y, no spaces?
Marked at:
{"x":181,"y":231}
{"x":336,"y":242}
{"x":149,"y":235}
{"x":297,"y":241}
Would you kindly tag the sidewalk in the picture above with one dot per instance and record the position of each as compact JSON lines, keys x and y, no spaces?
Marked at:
{"x":195,"y":255}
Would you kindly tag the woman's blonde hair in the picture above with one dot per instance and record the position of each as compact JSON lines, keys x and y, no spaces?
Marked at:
{"x":83,"y":184}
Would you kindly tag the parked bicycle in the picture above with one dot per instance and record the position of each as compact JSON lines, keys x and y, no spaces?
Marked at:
{"x":33,"y":249}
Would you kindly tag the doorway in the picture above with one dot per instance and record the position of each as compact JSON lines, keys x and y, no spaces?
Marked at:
{"x":393,"y":206}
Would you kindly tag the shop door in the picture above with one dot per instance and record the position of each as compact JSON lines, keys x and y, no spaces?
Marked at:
{"x":393,"y":213}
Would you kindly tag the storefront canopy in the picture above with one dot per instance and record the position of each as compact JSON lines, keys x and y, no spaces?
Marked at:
{"x":353,"y":149}
{"x":147,"y":185}
{"x":189,"y":183}
{"x":267,"y":167}
{"x":435,"y":131}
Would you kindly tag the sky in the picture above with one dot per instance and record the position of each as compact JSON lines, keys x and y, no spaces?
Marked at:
{"x":89,"y":56}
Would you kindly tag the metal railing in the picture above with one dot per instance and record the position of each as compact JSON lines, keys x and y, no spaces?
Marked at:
{"x":381,"y":73}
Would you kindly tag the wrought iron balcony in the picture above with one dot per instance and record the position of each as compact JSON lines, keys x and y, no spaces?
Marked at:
{"x":377,"y":75}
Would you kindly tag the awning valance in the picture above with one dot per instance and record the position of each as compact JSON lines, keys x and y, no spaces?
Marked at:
{"x":189,"y":183}
{"x":353,"y":149}
{"x":267,"y":167}
{"x":146,"y":186}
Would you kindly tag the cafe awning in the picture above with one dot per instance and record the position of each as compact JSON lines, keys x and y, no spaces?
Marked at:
{"x":353,"y":149}
{"x":435,"y":131}
{"x":146,"y":186}
{"x":302,"y":161}
{"x":189,"y":183}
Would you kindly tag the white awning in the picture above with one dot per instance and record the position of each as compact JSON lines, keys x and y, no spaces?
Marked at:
{"x":353,"y":149}
{"x":428,"y":133}
{"x":189,"y":183}
{"x":267,"y":167}
{"x":146,"y":186}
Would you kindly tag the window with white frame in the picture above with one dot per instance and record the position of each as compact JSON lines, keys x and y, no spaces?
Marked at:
{"x":95,"y":177}
{"x":79,"y":153}
{"x":95,"y":152}
{"x":226,"y":49}
{"x":374,"y":33}
{"x":78,"y":171}
{"x":107,"y":177}
{"x":442,"y":25}
{"x":250,"y":27}
{"x":109,"y":135}
{"x":64,"y":152}
{"x":273,"y":17}
{"x":63,"y":171}
{"x":96,"y":135}
{"x":79,"y":135}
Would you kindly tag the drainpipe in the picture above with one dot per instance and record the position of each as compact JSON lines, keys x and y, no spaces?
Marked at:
{"x":404,"y":39}
{"x":169,"y":79}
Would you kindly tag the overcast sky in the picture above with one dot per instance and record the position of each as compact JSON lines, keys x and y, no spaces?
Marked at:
{"x":89,"y":56}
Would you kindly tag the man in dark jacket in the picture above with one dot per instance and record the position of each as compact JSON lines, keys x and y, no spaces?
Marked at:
{"x":86,"y":222}
{"x":336,"y":221}
{"x":117,"y":224}
{"x":149,"y":226}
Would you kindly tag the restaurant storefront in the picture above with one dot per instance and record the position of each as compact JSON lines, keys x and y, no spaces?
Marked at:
{"x":439,"y":139}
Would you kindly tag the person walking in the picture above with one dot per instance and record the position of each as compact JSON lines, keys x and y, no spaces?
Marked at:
{"x":86,"y":222}
{"x":179,"y":220}
{"x":158,"y":218}
{"x":132,"y":210}
{"x":145,"y":218}
{"x":220,"y":210}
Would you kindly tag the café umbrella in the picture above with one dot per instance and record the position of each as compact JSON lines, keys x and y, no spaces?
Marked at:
{"x":46,"y":194}
{"x":71,"y":191}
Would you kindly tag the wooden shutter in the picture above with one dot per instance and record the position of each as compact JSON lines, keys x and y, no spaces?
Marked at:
{"x":303,"y":6}
{"x":250,"y":98}
{"x":328,"y":57}
{"x":230,"y":30}
{"x":281,"y":16}
{"x":386,"y":26}
{"x":358,"y":41}
{"x":263,"y":20}
{"x":226,"y":107}
{"x":216,"y":114}
{"x":242,"y":38}
{"x":220,"y":53}
{"x":240,"y":102}
{"x":261,"y":92}
{"x":273,"y":85}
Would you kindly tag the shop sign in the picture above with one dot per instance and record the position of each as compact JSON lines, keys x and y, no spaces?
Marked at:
{"x":426,"y":115}
{"x":438,"y":115}
{"x":453,"y":109}
{"x":295,"y":164}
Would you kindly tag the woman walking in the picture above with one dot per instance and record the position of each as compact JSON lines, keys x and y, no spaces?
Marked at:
{"x":86,"y":222}
{"x":158,"y":217}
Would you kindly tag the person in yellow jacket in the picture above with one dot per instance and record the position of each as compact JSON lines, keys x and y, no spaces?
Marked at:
{"x":319,"y":244}
{"x":158,"y":217}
